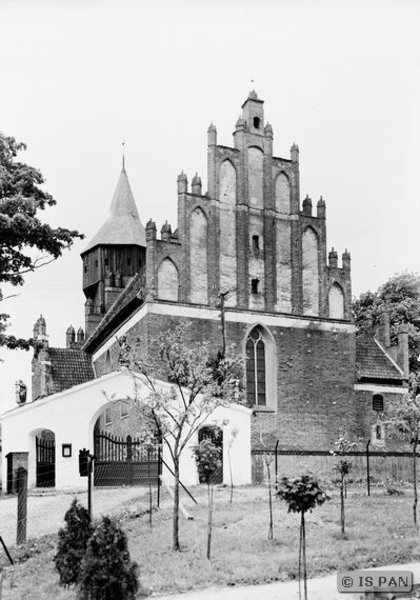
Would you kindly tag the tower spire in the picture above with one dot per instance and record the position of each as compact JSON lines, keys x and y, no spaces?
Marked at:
{"x":123,"y":156}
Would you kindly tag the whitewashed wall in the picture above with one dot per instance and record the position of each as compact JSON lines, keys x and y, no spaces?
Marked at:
{"x":71,"y":416}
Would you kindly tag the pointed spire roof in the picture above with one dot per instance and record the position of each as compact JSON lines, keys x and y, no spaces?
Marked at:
{"x":123,"y":226}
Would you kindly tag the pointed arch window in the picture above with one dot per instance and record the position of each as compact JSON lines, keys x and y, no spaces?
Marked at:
{"x":255,"y":369}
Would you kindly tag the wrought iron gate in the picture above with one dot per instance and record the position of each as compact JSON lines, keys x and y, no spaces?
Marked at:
{"x":45,"y":462}
{"x":125,"y":461}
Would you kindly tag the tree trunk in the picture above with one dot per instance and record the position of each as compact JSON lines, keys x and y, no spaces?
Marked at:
{"x":175,"y":524}
{"x":342,"y":506}
{"x":270,"y":504}
{"x":415,"y":483}
{"x":150,"y":490}
{"x":210,"y":518}
{"x":305,"y":587}
{"x":231,"y":477}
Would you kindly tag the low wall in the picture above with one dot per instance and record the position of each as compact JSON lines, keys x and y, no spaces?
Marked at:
{"x":384,"y":467}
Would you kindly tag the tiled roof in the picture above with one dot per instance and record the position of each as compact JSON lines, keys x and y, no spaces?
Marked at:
{"x":373,"y":363}
{"x":123,"y":226}
{"x":69,"y":368}
{"x":126,"y":302}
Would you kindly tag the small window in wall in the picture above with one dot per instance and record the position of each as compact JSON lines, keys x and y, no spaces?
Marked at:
{"x":378,"y":434}
{"x":378,"y":403}
{"x":128,"y":261}
{"x":255,"y":242}
{"x":108,"y":416}
{"x":255,"y":286}
{"x":124,"y":409}
{"x":85,"y":269}
{"x":106,"y":262}
{"x":256,"y":122}
{"x":96,"y":262}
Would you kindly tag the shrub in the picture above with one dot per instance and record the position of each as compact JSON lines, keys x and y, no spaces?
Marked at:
{"x":72,"y":543}
{"x":107,"y":571}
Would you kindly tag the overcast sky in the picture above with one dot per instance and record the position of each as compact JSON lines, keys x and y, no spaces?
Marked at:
{"x":339,"y":78}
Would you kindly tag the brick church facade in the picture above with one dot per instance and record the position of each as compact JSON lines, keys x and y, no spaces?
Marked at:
{"x":250,"y":240}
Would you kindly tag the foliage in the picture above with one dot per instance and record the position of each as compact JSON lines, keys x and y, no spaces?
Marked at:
{"x":107,"y":570}
{"x":401,"y":297}
{"x":375,"y":540}
{"x":404,"y":423}
{"x":342,"y":447}
{"x":21,"y":230}
{"x":404,"y":418}
{"x":208,"y":459}
{"x":302,"y":494}
{"x":72,"y":543}
{"x":177,"y":411}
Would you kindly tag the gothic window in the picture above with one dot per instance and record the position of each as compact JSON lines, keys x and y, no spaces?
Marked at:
{"x":167,"y":280}
{"x":310,"y":272}
{"x":283,"y":194}
{"x":198,"y":257}
{"x":255,"y":369}
{"x":255,"y":177}
{"x":256,"y":122}
{"x":255,"y":286}
{"x":255,"y":242}
{"x":227,"y":178}
{"x":336,"y":302}
{"x":228,"y":259}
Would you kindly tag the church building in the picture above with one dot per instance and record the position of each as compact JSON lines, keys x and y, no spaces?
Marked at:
{"x":250,"y":244}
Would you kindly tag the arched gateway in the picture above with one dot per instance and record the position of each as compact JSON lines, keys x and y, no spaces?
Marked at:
{"x":72,"y":414}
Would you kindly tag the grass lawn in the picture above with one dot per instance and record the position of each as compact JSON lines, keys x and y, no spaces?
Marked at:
{"x":379,"y":531}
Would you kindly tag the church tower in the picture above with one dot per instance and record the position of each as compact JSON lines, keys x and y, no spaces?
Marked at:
{"x":114,"y":255}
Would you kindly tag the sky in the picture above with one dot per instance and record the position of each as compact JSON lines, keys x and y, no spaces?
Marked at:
{"x":341,"y":78}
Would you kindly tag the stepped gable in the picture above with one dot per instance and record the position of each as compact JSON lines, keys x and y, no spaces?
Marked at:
{"x":130,"y":299}
{"x":374,"y":364}
{"x":123,"y":226}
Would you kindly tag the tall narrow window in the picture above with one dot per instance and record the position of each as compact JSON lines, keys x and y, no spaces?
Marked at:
{"x":255,"y":369}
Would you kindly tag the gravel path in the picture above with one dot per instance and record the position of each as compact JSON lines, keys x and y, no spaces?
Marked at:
{"x":46,"y":510}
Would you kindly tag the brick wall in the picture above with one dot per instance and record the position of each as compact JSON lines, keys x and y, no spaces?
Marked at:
{"x":315,"y":373}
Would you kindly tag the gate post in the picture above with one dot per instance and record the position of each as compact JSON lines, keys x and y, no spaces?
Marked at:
{"x":22,"y":489}
{"x":129,"y":460}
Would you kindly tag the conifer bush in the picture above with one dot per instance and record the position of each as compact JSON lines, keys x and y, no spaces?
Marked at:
{"x":72,"y":543}
{"x":107,"y":571}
